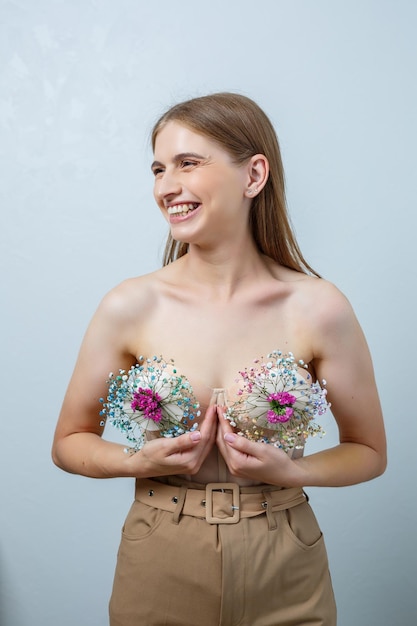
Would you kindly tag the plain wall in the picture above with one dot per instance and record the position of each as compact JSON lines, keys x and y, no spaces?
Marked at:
{"x":81,"y":82}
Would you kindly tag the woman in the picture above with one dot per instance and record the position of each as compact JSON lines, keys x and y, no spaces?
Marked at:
{"x":247,"y":549}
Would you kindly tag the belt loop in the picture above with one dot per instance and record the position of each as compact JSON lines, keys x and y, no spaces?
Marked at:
{"x":272,"y":522}
{"x":180,"y":504}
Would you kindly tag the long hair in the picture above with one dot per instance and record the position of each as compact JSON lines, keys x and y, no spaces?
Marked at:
{"x":239,"y":126}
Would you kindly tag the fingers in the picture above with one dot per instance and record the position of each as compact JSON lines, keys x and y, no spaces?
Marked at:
{"x":224,"y":424}
{"x":163,"y":456}
{"x":253,"y":449}
{"x":224,"y":428}
{"x":209,"y":424}
{"x":188,"y":452}
{"x":239,"y":453}
{"x":184,"y":454}
{"x":225,"y":432}
{"x":205,"y":434}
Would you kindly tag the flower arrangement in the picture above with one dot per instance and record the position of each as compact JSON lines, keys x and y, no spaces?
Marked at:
{"x":277,"y":404}
{"x":149,"y":400}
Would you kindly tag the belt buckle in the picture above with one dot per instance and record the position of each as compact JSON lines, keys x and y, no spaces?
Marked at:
{"x":234,"y":488}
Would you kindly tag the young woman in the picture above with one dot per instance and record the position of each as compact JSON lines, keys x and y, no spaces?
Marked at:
{"x":220,"y":531}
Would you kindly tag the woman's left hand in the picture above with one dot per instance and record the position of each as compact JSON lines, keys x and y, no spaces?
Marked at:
{"x":258,"y":461}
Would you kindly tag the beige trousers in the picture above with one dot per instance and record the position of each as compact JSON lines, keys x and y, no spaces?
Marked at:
{"x":260,"y":560}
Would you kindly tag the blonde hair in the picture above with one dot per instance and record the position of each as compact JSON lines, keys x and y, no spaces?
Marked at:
{"x":240,"y":127}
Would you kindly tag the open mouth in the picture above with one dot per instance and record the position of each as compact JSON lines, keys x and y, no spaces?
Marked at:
{"x":183,"y":209}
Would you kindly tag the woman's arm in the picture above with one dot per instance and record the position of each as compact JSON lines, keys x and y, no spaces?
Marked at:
{"x":78,"y":446}
{"x":342,"y":358}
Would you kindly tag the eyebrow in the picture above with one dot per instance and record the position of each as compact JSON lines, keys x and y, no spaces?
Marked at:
{"x":180,"y":157}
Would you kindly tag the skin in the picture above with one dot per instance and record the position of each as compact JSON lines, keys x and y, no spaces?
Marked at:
{"x":196,"y":311}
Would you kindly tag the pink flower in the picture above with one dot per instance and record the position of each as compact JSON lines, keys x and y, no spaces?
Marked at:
{"x":147,"y":401}
{"x":283,"y":397}
{"x":280,"y":412}
{"x":276,"y":418}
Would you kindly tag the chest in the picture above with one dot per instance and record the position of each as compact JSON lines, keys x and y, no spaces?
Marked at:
{"x":211,"y":342}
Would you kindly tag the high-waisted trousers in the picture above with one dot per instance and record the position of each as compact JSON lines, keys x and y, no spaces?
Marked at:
{"x":220,"y":555}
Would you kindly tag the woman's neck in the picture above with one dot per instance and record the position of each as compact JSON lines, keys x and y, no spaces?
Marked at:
{"x":224,"y":270}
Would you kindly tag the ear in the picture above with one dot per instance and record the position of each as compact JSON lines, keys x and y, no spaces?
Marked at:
{"x":257,"y":174}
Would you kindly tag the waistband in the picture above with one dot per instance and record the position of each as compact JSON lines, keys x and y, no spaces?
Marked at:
{"x":218,"y":503}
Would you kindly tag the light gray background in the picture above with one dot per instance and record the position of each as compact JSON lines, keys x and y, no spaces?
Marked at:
{"x":81,"y":83}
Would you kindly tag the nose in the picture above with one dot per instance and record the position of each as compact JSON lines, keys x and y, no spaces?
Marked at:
{"x":167,"y":185}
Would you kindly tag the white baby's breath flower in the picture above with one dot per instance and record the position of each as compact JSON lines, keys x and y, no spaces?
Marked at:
{"x":150,"y":400}
{"x":277,"y":403}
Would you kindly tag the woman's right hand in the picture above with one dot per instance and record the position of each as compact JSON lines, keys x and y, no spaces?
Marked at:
{"x":179,"y":455}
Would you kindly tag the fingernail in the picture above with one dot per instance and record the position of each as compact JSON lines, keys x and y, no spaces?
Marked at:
{"x":195,"y":436}
{"x":230,"y":437}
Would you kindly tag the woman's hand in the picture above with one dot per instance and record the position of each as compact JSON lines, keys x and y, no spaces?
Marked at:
{"x":179,"y":455}
{"x":258,"y":461}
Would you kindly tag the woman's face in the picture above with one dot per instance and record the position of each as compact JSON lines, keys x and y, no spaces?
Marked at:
{"x":198,"y":188}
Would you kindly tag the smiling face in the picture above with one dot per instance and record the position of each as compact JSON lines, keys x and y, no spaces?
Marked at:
{"x":200,"y":191}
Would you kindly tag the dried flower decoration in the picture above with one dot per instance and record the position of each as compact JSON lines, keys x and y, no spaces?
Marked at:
{"x":277,"y":404}
{"x":150,"y":400}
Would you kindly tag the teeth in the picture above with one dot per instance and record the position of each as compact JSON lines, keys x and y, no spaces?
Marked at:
{"x":181,"y":208}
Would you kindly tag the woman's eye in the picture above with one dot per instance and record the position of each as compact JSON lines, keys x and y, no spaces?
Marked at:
{"x":157,"y":170}
{"x":187,"y":163}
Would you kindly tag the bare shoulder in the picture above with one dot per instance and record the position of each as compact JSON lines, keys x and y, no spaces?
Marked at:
{"x":315,"y":301}
{"x":332,"y":322}
{"x":327,"y":305}
{"x":131,"y":298}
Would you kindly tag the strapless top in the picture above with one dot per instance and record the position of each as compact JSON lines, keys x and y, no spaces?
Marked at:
{"x":274,"y":401}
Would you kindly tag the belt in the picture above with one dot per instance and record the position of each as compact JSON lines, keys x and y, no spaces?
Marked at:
{"x":218,"y":503}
